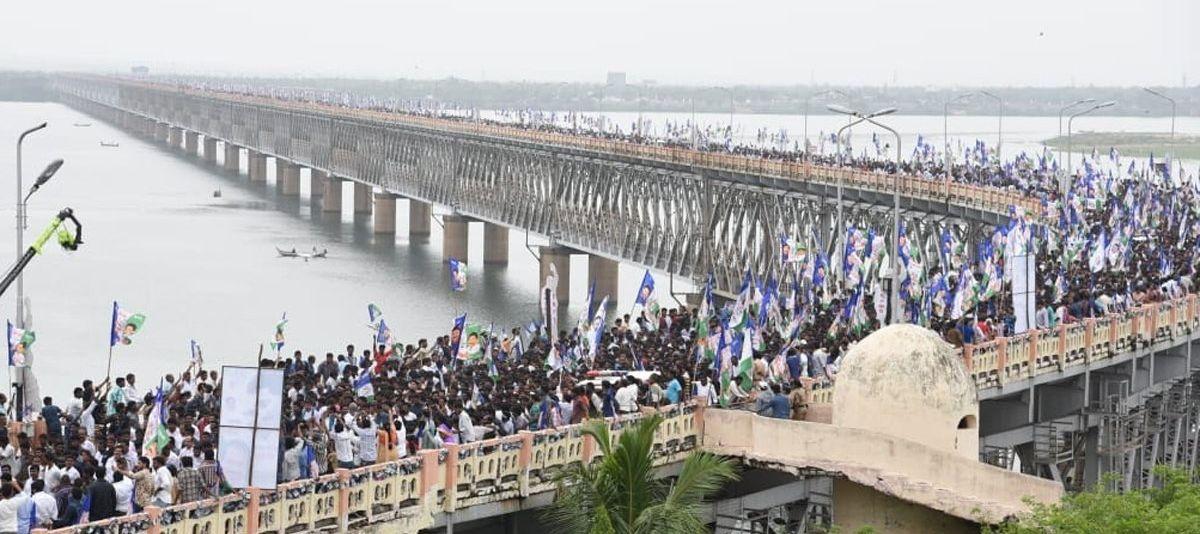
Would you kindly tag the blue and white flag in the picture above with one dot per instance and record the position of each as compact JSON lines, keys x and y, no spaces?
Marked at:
{"x":456,"y":334}
{"x":362,"y":384}
{"x":19,"y":340}
{"x":197,"y":356}
{"x":458,"y":275}
{"x":645,"y":294}
{"x":383,"y":334}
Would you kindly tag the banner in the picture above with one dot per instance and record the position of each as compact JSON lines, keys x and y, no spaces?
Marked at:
{"x":456,"y":333}
{"x":458,"y":275}
{"x":1024,"y":292}
{"x":124,"y":325}
{"x":19,"y":340}
{"x":549,"y":303}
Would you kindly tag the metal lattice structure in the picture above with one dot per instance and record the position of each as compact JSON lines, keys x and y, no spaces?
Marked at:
{"x":685,"y":220}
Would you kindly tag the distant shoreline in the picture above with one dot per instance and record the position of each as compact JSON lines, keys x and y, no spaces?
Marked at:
{"x":1137,"y":144}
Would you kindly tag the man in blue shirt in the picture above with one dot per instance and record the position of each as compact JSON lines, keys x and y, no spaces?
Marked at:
{"x":53,"y":416}
{"x":780,"y":407}
{"x":673,"y":391}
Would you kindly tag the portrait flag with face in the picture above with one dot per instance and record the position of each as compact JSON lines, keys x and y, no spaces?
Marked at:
{"x":645,"y":294}
{"x":458,"y":275}
{"x":456,"y":333}
{"x":124,"y":325}
{"x":19,"y":340}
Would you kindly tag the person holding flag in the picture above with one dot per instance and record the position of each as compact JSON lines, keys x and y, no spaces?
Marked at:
{"x":278,"y":339}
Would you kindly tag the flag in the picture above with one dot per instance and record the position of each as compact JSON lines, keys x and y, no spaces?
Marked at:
{"x":549,"y":303}
{"x":458,"y":275}
{"x":19,"y":340}
{"x":585,"y":315}
{"x":383,"y":334}
{"x":472,"y":349}
{"x":363,"y":386}
{"x":124,"y":325}
{"x":456,"y":334}
{"x":645,"y":295}
{"x":597,"y":328}
{"x":745,"y":370}
{"x":197,"y":356}
{"x":374,"y":313}
{"x":1096,"y":261}
{"x":277,"y":340}
{"x":156,"y":436}
{"x":553,"y":360}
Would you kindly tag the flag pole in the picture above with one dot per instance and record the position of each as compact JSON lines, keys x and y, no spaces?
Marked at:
{"x":108,"y":372}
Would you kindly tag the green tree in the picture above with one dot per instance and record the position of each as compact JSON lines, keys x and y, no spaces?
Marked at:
{"x":1174,"y":506}
{"x":619,"y":493}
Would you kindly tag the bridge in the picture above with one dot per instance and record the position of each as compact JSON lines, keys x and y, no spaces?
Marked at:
{"x":1115,"y":394}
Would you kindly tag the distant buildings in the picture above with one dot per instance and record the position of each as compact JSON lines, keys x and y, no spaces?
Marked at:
{"x":616,"y":80}
{"x":140,"y":70}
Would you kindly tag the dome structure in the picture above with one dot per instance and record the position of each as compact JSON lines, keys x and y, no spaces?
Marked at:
{"x":905,"y":381}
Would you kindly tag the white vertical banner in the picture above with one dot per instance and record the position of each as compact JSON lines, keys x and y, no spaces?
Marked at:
{"x":1024,"y":292}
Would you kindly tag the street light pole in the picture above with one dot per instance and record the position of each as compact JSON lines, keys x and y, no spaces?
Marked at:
{"x":999,"y":121}
{"x":1071,"y":120}
{"x":1168,"y":99}
{"x":837,"y":139}
{"x":21,"y":226}
{"x":894,"y":297}
{"x":1063,"y":111}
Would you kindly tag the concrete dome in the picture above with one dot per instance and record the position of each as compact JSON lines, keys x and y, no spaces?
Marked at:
{"x":903,"y":380}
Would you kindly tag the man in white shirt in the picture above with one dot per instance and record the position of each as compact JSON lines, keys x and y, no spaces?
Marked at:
{"x":131,"y":391}
{"x":44,"y":503}
{"x":123,"y":487}
{"x":626,"y":397}
{"x":164,"y":484}
{"x":466,"y":427}
{"x":368,"y":442}
{"x":344,"y":440}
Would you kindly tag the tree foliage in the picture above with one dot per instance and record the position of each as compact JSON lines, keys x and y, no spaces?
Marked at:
{"x":1174,"y":506}
{"x":620,"y":494}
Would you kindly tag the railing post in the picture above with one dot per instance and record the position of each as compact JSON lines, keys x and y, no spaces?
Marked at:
{"x":1033,"y":351}
{"x":698,"y":419}
{"x":524,"y":459}
{"x":343,"y":502}
{"x":451,"y":476}
{"x":254,"y":494}
{"x":1089,"y":335}
{"x":429,"y":472}
{"x":968,"y":351}
{"x":155,"y":514}
{"x":1061,"y":357}
{"x":1001,"y":359}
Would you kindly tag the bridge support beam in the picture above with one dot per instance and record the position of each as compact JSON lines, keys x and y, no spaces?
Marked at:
{"x":256,"y":165}
{"x":454,"y":237}
{"x":210,"y":150}
{"x":495,"y":244}
{"x":362,"y":199}
{"x":419,"y":216}
{"x":385,"y":214}
{"x":316,"y":183}
{"x":331,"y":201}
{"x":604,"y":273}
{"x":159,"y":131}
{"x":233,"y":159}
{"x":175,"y":137}
{"x":287,"y":178}
{"x":191,"y":143}
{"x":560,"y":258}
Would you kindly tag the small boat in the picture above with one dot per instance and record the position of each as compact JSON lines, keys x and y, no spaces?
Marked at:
{"x":217,"y":193}
{"x":83,"y":124}
{"x":110,"y":143}
{"x":305,"y":255}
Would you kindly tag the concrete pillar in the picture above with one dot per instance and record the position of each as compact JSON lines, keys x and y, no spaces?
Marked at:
{"x":233,"y":159}
{"x":604,"y":272}
{"x":210,"y":150}
{"x":316,"y":183}
{"x":191,"y":143}
{"x":175,"y":137}
{"x":454,"y":237}
{"x":256,"y":164}
{"x":331,"y":201}
{"x":287,"y":177}
{"x":385,"y":214}
{"x":362,"y":198}
{"x":561,"y":259}
{"x":495,"y":244}
{"x":419,"y":215}
{"x":161,"y":131}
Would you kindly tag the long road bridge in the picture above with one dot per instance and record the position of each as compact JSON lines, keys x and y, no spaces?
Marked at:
{"x":1115,"y":394}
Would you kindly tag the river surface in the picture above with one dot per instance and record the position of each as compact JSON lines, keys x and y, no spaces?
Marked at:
{"x":205,"y":268}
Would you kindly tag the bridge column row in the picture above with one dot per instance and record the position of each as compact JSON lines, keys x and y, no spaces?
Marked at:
{"x":331,"y":201}
{"x":495,"y":244}
{"x":210,"y":150}
{"x":174,"y":136}
{"x":385,"y":214}
{"x":316,"y":183}
{"x":162,"y":131}
{"x":191,"y":143}
{"x":362,"y":199}
{"x":287,"y":177}
{"x":256,"y":165}
{"x":454,"y":237}
{"x":419,"y":216}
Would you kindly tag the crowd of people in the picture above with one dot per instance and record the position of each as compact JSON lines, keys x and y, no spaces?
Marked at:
{"x":1120,"y":236}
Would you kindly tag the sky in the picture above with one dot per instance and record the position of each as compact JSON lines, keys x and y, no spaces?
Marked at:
{"x":691,"y":42}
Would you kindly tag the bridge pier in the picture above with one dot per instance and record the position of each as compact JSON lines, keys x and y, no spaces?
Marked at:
{"x":210,"y":150}
{"x":560,"y":257}
{"x":362,"y":199}
{"x":256,"y":164}
{"x":174,"y":136}
{"x":495,"y":244}
{"x":316,"y":183}
{"x":604,"y":273}
{"x":419,"y":215}
{"x":233,"y":157}
{"x":385,"y":214}
{"x":191,"y":143}
{"x":331,"y":201}
{"x":454,"y":237}
{"x":287,"y":177}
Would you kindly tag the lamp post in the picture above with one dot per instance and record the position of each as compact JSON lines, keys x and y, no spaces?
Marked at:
{"x":808,"y":101}
{"x":894,"y":297}
{"x":21,"y":223}
{"x":1064,"y":109}
{"x":999,"y":121}
{"x":1168,"y":99}
{"x":946,"y":136}
{"x":1070,"y":120}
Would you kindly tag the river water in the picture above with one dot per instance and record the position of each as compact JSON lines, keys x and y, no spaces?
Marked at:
{"x":205,"y":268}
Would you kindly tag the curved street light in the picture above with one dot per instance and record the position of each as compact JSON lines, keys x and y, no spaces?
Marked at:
{"x":1168,"y":99}
{"x":1070,"y":120}
{"x":1064,"y":109}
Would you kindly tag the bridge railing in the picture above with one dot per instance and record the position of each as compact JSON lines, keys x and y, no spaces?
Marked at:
{"x":407,"y":492}
{"x":937,"y":188}
{"x":1090,"y":340}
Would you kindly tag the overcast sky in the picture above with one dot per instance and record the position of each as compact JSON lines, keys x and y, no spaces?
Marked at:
{"x":867,"y":42}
